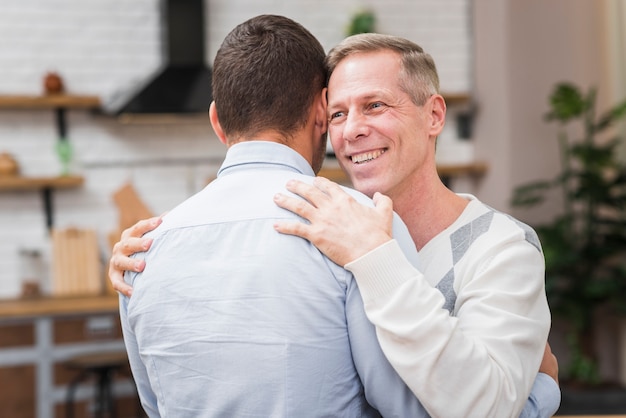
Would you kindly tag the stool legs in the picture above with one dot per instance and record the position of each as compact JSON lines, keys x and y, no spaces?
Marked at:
{"x":105,"y":402}
{"x":71,"y":389}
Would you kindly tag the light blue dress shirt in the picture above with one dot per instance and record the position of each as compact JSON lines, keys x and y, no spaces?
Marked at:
{"x":232,"y":319}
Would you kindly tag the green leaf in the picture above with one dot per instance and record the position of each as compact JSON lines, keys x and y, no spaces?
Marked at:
{"x":566,"y":102}
{"x":530,"y":194}
{"x":606,"y":120}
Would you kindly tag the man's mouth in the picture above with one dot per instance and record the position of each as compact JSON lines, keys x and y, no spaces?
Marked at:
{"x":366,"y":156}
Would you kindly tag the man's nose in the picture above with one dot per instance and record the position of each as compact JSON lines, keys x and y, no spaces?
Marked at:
{"x":355,"y":127}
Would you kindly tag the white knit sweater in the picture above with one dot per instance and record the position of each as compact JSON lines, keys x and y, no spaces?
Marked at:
{"x":473,"y":326}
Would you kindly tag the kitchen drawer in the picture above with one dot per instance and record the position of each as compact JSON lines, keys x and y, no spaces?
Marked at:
{"x":84,"y":329}
{"x":19,"y":334}
{"x":17,"y":397}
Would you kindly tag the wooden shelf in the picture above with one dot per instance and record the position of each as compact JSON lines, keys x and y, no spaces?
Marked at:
{"x":72,"y":101}
{"x":446,"y":171}
{"x":333,"y":173}
{"x":456,"y":98}
{"x":43,"y":184}
{"x":455,"y":170}
{"x":16,"y":183}
{"x":53,"y":101}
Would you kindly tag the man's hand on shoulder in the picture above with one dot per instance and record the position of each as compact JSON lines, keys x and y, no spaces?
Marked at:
{"x":339,"y":226}
{"x":130,"y":242}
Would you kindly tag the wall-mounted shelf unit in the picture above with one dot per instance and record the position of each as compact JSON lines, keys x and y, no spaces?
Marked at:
{"x":59,"y":103}
{"x":45,"y":185}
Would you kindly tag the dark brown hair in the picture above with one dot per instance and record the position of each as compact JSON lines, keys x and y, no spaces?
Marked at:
{"x":266,"y":75}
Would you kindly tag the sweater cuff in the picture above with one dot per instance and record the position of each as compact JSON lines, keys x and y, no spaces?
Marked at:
{"x":382,"y":270}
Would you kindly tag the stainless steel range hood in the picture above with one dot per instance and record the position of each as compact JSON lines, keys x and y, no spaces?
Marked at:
{"x":182,"y":87}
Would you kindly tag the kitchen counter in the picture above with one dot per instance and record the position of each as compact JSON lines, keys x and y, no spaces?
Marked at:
{"x":52,"y":306}
{"x":39,"y":336}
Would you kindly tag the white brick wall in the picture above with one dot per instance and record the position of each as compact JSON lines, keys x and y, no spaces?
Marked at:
{"x":102,"y":47}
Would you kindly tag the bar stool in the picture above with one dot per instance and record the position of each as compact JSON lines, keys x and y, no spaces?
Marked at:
{"x":102,"y":366}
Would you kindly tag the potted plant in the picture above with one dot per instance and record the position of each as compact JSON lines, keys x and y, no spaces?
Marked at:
{"x":585,"y":245}
{"x":363,"y":21}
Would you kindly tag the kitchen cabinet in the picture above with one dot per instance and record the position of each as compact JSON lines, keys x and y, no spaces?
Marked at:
{"x":38,"y":337}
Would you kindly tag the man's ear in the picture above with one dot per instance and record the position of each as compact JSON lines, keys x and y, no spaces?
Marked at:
{"x":438,"y":114}
{"x":215,"y":123}
{"x":321,"y":115}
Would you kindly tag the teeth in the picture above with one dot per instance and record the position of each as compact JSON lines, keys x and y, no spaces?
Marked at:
{"x":365,"y":157}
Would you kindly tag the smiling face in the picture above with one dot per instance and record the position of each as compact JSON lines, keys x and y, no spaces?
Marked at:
{"x":382,"y":139}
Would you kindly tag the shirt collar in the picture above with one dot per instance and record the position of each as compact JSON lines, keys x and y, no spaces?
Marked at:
{"x":264,"y":153}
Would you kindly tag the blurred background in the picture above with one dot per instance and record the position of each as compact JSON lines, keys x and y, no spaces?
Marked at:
{"x":78,"y":157}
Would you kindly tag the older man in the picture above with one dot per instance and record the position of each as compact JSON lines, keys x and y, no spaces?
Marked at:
{"x":473,"y":315}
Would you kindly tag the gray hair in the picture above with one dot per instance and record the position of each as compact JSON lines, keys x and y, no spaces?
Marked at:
{"x":418,"y":76}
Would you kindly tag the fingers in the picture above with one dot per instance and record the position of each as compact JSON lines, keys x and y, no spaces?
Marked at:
{"x":120,"y":256}
{"x":295,"y":205}
{"x":141,"y":227}
{"x":382,"y":202}
{"x":339,"y":226}
{"x":130,"y":243}
{"x":120,"y":286}
{"x":292,"y":228}
{"x":310,"y":193}
{"x":328,"y":187}
{"x":313,"y":196}
{"x":304,"y":208}
{"x":322,"y":192}
{"x":117,"y":265}
{"x":116,"y":276}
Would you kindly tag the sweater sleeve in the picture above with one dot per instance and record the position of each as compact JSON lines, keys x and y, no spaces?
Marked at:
{"x":481,"y":362}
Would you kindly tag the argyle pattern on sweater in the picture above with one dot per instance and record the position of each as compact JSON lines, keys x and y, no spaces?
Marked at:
{"x":462,"y":239}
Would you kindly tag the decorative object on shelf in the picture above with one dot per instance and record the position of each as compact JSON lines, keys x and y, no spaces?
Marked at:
{"x":362,"y":22}
{"x":32,"y":272}
{"x":53,"y":83}
{"x":63,"y":148}
{"x":585,"y":245}
{"x":8,"y":165}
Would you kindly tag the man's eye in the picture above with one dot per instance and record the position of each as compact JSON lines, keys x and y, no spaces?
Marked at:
{"x":375,"y":105}
{"x":336,"y":115}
